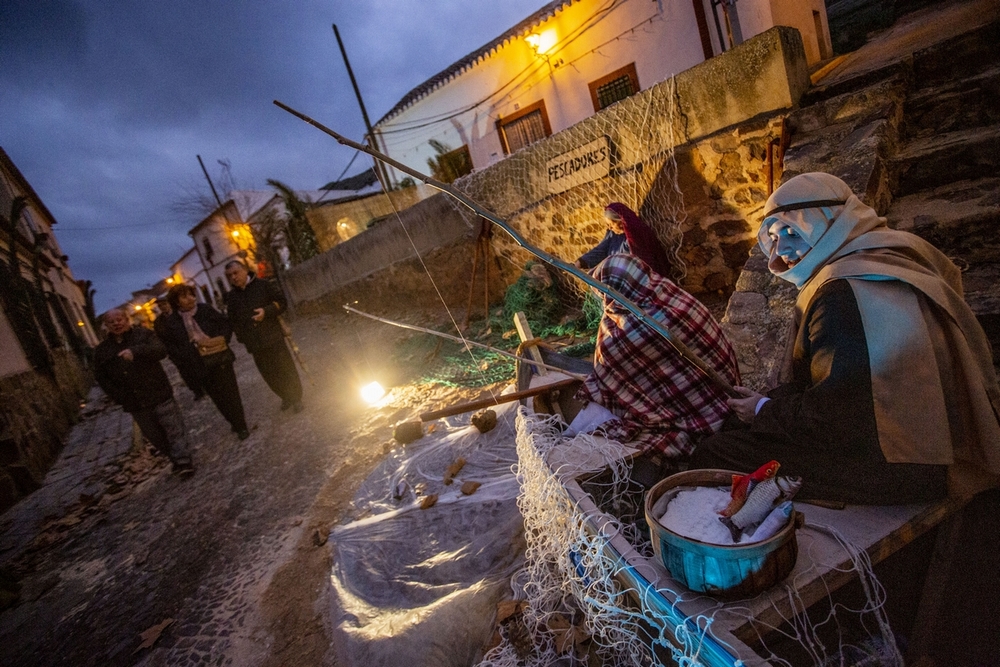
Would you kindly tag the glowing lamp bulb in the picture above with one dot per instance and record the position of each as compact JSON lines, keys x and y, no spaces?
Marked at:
{"x":138,"y":308}
{"x":236,"y":233}
{"x":372,"y":392}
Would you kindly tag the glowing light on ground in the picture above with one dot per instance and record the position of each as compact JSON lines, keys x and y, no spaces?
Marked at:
{"x":372,"y":392}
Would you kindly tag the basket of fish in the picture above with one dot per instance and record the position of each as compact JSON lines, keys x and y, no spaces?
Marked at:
{"x":725,"y":533}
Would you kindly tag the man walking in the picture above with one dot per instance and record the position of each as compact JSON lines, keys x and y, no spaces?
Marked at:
{"x":127,"y":367}
{"x":253,"y":307}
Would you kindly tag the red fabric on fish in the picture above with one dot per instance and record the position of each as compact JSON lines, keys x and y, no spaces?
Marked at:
{"x":663,"y":402}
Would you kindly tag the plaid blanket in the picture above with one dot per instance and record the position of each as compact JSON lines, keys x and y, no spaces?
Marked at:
{"x":663,"y":402}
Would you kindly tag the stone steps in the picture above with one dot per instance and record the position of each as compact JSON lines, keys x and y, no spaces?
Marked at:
{"x":962,"y":219}
{"x":964,"y":104}
{"x":960,"y":57}
{"x":940,"y":159}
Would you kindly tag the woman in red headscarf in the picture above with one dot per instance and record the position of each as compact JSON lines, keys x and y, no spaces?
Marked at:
{"x":627,"y":233}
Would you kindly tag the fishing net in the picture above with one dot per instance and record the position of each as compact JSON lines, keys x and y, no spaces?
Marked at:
{"x":571,"y":330}
{"x":571,"y":579}
{"x":419,"y":587}
{"x":638,"y":134}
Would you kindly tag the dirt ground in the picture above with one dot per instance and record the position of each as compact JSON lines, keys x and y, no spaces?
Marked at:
{"x":118,"y":562}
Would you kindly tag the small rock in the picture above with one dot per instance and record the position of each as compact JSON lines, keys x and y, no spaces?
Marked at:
{"x":485,"y":420}
{"x":407,"y":432}
{"x":468,"y":488}
{"x":428,"y":501}
{"x":320,"y":536}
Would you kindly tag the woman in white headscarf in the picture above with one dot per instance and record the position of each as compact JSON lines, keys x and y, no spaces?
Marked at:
{"x":890,"y":394}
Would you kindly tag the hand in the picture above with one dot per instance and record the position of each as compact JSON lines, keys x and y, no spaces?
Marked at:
{"x":745,"y":407}
{"x":258,"y":315}
{"x":127,"y":355}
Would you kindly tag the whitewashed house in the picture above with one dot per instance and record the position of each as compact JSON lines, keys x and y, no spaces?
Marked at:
{"x":568,"y":60}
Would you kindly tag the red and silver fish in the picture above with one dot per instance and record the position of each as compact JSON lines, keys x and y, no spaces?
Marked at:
{"x":760,"y":502}
{"x":744,"y":484}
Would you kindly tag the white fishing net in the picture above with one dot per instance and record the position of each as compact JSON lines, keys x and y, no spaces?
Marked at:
{"x":640,"y":134}
{"x":428,"y":587}
{"x":571,"y":575}
{"x":416,"y":586}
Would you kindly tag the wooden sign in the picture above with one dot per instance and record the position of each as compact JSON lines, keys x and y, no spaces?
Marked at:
{"x":578,"y":166}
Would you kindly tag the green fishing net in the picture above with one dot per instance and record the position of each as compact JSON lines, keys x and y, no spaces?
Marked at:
{"x":555,"y":314}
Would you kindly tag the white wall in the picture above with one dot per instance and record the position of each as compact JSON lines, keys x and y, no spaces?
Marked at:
{"x":659,"y":43}
{"x":661,"y":38}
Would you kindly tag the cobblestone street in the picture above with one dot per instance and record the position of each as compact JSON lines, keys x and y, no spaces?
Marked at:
{"x":235,"y":557}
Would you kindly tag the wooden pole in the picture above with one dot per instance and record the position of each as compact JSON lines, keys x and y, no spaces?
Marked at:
{"x":379,"y":167}
{"x":489,"y":402}
{"x":472,"y":284}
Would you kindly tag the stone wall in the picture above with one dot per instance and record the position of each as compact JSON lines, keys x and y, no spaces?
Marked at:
{"x":724,"y":181}
{"x":429,"y":225}
{"x":36,"y":413}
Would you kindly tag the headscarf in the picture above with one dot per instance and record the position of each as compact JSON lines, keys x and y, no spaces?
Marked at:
{"x":662,"y":400}
{"x":642,"y":240}
{"x":934,"y":387}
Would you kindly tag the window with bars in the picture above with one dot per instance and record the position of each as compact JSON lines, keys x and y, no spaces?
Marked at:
{"x":613,"y":87}
{"x":524,"y":127}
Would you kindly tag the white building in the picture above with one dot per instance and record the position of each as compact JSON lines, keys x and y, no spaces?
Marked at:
{"x":570,"y":59}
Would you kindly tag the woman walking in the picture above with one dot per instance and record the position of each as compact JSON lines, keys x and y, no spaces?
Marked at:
{"x":197,"y":337}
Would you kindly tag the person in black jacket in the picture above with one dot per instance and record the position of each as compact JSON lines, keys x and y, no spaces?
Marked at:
{"x":253,"y":307}
{"x":127,"y":367}
{"x":189,"y":325}
{"x":191,"y":380}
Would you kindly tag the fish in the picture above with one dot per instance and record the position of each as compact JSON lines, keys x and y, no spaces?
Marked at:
{"x":760,"y":502}
{"x":743,"y":484}
{"x":774,"y":522}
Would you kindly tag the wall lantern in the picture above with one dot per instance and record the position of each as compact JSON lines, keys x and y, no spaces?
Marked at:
{"x":542,"y":42}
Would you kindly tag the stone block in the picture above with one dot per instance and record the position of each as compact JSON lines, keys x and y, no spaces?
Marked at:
{"x":745,"y":307}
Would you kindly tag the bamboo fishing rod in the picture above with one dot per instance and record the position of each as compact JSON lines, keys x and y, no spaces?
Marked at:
{"x":464,"y":341}
{"x":627,"y":303}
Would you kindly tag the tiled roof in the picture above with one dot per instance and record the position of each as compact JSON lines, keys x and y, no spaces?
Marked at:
{"x":456,"y":68}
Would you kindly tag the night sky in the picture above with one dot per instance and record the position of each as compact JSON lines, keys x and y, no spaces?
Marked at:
{"x":104,"y":105}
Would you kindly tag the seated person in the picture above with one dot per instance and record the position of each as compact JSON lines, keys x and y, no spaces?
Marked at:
{"x":627,"y":233}
{"x":662,"y":402}
{"x":890,"y":393}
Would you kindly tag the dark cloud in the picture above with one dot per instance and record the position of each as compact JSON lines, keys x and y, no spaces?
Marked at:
{"x":105,"y":104}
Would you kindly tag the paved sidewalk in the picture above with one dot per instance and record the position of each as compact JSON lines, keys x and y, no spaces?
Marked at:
{"x":104,"y":434}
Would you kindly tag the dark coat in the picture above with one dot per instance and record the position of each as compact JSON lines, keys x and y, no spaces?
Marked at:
{"x":182,"y":351}
{"x":137,"y":384}
{"x":240,"y":304}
